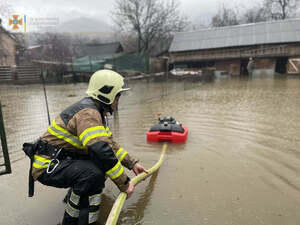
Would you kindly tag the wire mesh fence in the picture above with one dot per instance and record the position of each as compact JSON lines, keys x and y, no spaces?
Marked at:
{"x":25,"y":113}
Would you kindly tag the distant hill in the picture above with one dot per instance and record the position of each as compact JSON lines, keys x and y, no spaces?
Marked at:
{"x":84,"y":24}
{"x":89,"y":29}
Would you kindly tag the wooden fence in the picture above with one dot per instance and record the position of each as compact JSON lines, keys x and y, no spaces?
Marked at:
{"x":20,"y":74}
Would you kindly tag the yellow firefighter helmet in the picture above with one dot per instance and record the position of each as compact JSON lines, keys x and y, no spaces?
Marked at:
{"x":104,"y":85}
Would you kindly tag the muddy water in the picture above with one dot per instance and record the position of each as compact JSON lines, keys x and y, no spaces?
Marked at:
{"x":240,"y":165}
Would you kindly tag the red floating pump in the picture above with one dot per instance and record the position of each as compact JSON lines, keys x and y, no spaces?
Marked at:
{"x":167,"y":129}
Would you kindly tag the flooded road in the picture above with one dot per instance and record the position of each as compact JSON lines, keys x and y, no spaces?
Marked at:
{"x":240,"y":165}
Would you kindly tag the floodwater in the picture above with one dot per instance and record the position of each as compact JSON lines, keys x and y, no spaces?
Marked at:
{"x":239,"y":166}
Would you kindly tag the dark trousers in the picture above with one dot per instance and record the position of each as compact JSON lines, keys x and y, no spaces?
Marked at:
{"x":86,"y":181}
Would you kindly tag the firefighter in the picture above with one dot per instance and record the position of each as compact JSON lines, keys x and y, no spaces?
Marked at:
{"x":78,"y":150}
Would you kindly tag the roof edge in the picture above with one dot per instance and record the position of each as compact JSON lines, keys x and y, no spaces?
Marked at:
{"x":227,"y":47}
{"x":239,"y":25}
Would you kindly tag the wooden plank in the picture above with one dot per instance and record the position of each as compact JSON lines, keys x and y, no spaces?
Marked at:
{"x":5,"y":74}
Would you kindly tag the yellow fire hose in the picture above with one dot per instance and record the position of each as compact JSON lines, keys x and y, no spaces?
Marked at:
{"x":116,"y":209}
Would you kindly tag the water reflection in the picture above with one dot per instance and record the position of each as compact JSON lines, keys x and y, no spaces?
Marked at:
{"x":132,"y":213}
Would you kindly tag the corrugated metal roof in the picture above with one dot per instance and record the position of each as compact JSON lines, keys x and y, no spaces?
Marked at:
{"x":283,"y":31}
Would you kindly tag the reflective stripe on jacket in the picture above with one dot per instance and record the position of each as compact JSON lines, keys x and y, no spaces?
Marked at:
{"x":78,"y":127}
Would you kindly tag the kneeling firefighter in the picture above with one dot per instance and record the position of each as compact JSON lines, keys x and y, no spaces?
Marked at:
{"x":78,"y":151}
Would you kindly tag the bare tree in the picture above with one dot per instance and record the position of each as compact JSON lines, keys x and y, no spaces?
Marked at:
{"x":55,"y":47}
{"x":282,"y":9}
{"x":128,"y":40}
{"x":256,"y":14}
{"x":225,"y":17}
{"x":5,"y":10}
{"x":152,"y":21}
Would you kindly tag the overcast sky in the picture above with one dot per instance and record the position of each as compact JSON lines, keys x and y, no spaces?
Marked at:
{"x":199,"y":11}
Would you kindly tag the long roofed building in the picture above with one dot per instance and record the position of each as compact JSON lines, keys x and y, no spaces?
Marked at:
{"x":275,"y":47}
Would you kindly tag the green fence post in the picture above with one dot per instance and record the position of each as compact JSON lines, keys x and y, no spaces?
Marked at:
{"x":147,"y":62}
{"x":4,"y":144}
{"x":114,"y":67}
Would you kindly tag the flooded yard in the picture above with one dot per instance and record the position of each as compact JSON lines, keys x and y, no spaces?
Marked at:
{"x":239,"y":166}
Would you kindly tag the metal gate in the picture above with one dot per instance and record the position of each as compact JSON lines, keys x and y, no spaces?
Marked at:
{"x":4,"y":157}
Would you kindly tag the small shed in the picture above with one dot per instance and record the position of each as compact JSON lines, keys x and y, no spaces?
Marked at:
{"x":103,"y":50}
{"x":96,"y":56}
